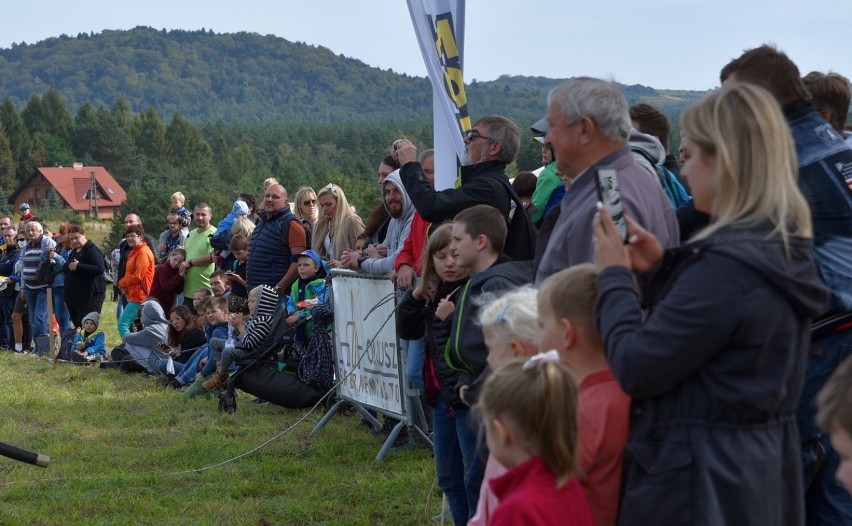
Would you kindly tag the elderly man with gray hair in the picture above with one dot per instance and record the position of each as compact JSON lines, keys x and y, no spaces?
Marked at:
{"x":589,"y":127}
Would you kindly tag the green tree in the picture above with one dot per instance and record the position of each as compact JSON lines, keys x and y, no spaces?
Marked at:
{"x":187,"y":144}
{"x":37,"y":156}
{"x":8,"y":166}
{"x":150,"y":137}
{"x":16,"y":132}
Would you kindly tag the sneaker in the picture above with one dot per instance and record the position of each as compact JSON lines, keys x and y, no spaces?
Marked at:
{"x":215,"y":382}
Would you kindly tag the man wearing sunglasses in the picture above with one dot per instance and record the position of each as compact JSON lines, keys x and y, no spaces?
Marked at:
{"x":490,"y":146}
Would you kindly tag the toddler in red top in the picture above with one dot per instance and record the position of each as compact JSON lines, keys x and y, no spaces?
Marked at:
{"x":529,"y":411}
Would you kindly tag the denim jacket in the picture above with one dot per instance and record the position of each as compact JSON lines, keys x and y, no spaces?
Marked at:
{"x":825,"y":178}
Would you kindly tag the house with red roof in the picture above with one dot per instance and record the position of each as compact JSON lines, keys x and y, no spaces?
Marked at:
{"x":87,"y":190}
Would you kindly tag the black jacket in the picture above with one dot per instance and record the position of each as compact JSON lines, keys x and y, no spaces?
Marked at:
{"x":88,"y":279}
{"x":715,"y":371}
{"x":466,"y":351}
{"x":479,"y":186}
{"x":415,"y":319}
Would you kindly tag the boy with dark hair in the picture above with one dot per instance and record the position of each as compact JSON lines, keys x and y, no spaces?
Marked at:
{"x":566,"y":318}
{"x":479,"y":234}
{"x":830,"y":93}
{"x":236,"y":273}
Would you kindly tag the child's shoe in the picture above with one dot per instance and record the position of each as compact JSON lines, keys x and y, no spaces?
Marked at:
{"x":216,"y":381}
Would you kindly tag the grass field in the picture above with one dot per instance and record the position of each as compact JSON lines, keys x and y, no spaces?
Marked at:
{"x":126,"y":451}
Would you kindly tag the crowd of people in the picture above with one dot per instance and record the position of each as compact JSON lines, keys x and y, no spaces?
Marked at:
{"x":679,"y":369}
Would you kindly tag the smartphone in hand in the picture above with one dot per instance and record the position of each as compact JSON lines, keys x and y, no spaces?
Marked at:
{"x":609,"y":193}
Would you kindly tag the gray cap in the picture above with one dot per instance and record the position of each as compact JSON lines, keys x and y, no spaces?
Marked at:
{"x":540,"y":127}
{"x":94,"y":317}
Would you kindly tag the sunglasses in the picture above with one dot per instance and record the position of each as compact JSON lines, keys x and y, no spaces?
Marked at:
{"x":309,"y":202}
{"x":474,"y":134}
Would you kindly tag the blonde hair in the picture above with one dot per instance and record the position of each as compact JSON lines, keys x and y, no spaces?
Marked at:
{"x":340,"y":213}
{"x":541,"y":403}
{"x":301,"y":193}
{"x":179,"y":196}
{"x":743,"y":126}
{"x":514,"y":315}
{"x":835,"y":411}
{"x":269,"y":181}
{"x":255,"y":292}
{"x":572,"y":293}
{"x":242,"y":227}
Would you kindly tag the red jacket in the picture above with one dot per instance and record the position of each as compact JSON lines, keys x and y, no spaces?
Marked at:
{"x":412,"y":249}
{"x":167,"y":283}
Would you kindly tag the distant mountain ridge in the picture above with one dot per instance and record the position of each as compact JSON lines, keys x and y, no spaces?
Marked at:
{"x":247,"y":77}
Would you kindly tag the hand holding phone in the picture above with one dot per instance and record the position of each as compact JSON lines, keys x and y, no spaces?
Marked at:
{"x":609,"y":193}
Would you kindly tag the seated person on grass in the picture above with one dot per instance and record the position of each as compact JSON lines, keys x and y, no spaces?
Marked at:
{"x":262,"y":302}
{"x":216,"y":314}
{"x":90,"y":343}
{"x":182,"y":341}
{"x":307,"y":292}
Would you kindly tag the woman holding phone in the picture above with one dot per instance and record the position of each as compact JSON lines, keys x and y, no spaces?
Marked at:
{"x":715,"y":367}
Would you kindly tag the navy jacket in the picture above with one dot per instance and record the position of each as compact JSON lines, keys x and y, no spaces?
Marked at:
{"x":269,"y":255}
{"x":715,"y":372}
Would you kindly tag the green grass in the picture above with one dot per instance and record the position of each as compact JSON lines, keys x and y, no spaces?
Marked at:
{"x":126,"y":451}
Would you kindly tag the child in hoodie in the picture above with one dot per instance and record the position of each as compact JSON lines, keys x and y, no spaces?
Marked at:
{"x":307,"y":292}
{"x":168,"y":281}
{"x":262,"y":302}
{"x":90,"y":343}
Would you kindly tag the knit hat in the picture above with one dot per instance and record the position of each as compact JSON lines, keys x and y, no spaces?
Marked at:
{"x":240,"y":208}
{"x":94,"y":317}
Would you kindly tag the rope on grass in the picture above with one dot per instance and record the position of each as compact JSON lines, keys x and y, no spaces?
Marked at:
{"x":245,"y":453}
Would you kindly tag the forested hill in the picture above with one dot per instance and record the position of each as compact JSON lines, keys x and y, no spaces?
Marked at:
{"x":246,"y":77}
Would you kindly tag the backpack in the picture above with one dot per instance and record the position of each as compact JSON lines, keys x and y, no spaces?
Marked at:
{"x":46,"y":271}
{"x":521,"y":236}
{"x":668,"y":181}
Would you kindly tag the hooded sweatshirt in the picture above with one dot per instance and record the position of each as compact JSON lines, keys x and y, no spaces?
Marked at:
{"x":715,"y":371}
{"x":398,"y":230}
{"x":466,"y":351}
{"x":142,"y":345}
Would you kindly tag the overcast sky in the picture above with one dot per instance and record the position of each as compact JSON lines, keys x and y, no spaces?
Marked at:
{"x":661,"y":43}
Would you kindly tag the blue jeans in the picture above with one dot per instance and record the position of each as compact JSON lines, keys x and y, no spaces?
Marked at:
{"x":460,"y":456}
{"x":826,"y":501}
{"x":37,"y":308}
{"x":188,"y":370}
{"x":414,"y":358}
{"x":63,"y":317}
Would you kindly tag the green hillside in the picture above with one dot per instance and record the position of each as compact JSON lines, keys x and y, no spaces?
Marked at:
{"x":246,"y":77}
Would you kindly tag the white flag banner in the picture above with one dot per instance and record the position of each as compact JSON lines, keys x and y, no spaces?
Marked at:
{"x":439,"y":26}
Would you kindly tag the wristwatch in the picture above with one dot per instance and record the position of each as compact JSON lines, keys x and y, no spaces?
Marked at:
{"x":189,"y":262}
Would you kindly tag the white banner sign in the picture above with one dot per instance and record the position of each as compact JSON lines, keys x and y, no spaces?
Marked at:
{"x":367,"y":351}
{"x":439,"y":26}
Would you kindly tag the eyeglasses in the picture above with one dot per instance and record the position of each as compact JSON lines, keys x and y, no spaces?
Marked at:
{"x":173,"y":223}
{"x":176,"y":320}
{"x":309,"y":202}
{"x":472,"y":135}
